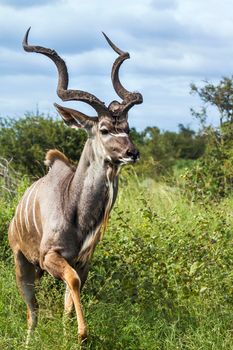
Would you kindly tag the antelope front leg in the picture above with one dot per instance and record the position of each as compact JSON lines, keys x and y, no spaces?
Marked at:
{"x":68,"y":307}
{"x":68,"y":302}
{"x":56,"y":265}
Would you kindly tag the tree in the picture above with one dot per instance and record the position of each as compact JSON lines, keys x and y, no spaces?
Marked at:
{"x":219,"y":96}
{"x":26,"y":140}
{"x":212,"y":175}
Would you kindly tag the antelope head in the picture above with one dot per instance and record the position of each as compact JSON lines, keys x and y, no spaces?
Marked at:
{"x":109,"y":129}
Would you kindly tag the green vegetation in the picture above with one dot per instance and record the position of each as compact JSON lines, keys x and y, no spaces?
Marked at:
{"x":162,"y":278}
{"x":26,"y":140}
{"x":212,"y":175}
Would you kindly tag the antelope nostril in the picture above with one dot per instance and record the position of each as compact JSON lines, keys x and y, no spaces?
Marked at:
{"x":134,"y":153}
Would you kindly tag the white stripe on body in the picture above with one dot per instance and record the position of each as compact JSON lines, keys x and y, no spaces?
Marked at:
{"x":30,"y":190}
{"x":26,"y":206}
{"x":34,"y":212}
{"x":20,"y":214}
{"x":16,"y":220}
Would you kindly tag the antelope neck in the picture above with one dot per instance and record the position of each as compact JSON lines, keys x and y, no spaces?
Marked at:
{"x":93,"y":188}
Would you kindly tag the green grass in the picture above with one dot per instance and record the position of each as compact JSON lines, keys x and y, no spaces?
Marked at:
{"x":162,"y":278}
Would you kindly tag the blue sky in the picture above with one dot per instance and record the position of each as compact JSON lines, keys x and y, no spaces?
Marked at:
{"x":172,"y":43}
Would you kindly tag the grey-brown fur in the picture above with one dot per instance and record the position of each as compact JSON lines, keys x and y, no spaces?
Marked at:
{"x":58,"y":221}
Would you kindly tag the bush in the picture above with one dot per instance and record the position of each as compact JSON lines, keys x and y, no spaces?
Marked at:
{"x":211,"y":176}
{"x":25,"y":142}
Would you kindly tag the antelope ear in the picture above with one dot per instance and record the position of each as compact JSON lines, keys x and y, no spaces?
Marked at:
{"x":75,"y":119}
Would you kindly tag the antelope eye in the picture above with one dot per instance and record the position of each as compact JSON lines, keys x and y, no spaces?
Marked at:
{"x":104,"y":131}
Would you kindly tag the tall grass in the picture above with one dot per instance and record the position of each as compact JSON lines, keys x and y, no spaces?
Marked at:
{"x":161,"y":279}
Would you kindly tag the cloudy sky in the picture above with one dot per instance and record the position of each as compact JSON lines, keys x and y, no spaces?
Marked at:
{"x":172,"y":43}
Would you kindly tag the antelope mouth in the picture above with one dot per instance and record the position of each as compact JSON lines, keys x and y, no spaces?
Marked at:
{"x":128,"y":160}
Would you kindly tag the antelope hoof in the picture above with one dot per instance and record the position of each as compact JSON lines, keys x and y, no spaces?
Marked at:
{"x":82,"y":336}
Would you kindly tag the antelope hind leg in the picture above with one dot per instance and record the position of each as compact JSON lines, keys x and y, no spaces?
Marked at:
{"x":56,"y":265}
{"x":25,"y":277}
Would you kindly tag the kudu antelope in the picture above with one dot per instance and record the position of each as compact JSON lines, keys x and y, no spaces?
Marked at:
{"x":60,"y":218}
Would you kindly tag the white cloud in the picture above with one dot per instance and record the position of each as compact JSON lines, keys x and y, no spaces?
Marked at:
{"x":25,"y":3}
{"x":172,"y":43}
